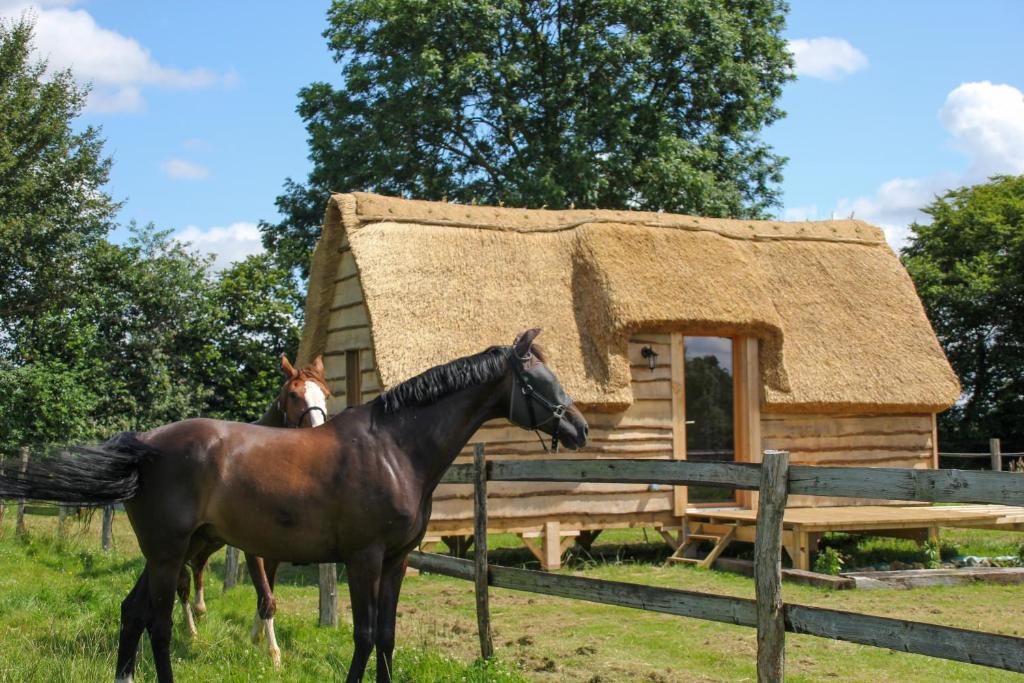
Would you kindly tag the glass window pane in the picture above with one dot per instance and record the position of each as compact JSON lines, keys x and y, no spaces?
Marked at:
{"x":709,"y":410}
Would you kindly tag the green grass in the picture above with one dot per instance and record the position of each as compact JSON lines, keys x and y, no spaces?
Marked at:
{"x":59,"y":612}
{"x":60,"y":609}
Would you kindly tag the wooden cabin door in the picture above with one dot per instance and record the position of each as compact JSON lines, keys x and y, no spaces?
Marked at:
{"x":709,"y":408}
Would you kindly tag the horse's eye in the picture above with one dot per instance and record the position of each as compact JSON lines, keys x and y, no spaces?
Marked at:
{"x":292,"y":394}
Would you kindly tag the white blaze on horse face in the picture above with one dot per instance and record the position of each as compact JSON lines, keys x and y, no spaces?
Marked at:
{"x":315,"y":398}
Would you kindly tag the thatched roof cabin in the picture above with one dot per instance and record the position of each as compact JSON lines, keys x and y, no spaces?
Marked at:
{"x":831,"y":355}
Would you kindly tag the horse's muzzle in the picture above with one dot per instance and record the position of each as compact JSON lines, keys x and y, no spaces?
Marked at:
{"x":573,"y":430}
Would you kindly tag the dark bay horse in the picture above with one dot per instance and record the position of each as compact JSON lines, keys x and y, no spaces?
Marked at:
{"x":356,"y":490}
{"x":301,"y":402}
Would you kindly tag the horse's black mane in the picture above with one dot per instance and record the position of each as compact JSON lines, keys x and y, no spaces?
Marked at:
{"x":442,"y":380}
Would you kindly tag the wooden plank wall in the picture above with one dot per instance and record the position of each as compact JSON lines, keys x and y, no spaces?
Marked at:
{"x":348,"y":329}
{"x":642,"y":431}
{"x":850,"y":441}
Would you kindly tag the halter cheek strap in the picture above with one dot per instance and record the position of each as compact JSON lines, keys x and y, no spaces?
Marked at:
{"x":557,"y":410}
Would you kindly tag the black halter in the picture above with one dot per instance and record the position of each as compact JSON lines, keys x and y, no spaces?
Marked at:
{"x":302,"y":416}
{"x":523,"y":389}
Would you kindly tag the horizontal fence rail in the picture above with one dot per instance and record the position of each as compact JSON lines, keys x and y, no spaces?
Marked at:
{"x":945,"y":642}
{"x":615,"y":471}
{"x":938,"y":486}
{"x":775,"y":481}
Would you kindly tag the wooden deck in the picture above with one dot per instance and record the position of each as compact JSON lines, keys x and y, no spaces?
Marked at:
{"x":803,"y":526}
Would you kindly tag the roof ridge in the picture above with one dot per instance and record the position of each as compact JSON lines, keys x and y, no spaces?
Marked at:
{"x":373,"y":208}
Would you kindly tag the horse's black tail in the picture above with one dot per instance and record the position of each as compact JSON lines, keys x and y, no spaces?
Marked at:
{"x":81,"y":475}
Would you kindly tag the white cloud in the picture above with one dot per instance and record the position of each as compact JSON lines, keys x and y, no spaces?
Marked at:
{"x":228,"y":244}
{"x":827,"y":58}
{"x":801,"y":213}
{"x":986,"y":123}
{"x":117,"y":66}
{"x":180,"y":169}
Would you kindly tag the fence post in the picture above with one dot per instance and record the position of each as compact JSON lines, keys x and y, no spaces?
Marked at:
{"x":329,"y":594}
{"x":483,"y":610}
{"x":62,"y":520}
{"x":2,"y":506}
{"x":19,"y":524}
{"x":771,"y":619}
{"x":107,"y":532}
{"x":995,"y":450}
{"x":230,"y":568}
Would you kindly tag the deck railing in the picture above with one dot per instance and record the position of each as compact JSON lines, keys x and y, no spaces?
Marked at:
{"x":775,"y":480}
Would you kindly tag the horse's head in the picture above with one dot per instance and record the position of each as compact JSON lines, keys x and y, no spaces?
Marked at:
{"x":537,"y":400}
{"x":303,"y":398}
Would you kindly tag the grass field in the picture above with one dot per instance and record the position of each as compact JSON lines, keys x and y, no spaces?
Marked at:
{"x":59,"y":607}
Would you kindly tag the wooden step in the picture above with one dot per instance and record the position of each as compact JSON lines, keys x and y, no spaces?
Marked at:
{"x":688,"y":560}
{"x":705,"y":537}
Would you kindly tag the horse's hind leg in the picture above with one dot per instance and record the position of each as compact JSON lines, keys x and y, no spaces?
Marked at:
{"x":163,"y":581}
{"x":266,"y":605}
{"x":134,"y":615}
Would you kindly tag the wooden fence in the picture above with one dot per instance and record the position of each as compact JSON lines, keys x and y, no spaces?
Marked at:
{"x":775,"y":480}
{"x":995,"y":456}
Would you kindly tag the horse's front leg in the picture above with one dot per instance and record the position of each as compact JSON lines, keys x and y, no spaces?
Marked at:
{"x":186,"y":609}
{"x":266,"y":606}
{"x":363,"y":585}
{"x":387,"y":611}
{"x":198,"y":564}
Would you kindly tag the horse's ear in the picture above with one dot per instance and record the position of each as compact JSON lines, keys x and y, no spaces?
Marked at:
{"x":286,"y":368}
{"x":318,"y":364}
{"x":523,"y":341}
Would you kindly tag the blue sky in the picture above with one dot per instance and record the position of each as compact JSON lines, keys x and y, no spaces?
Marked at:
{"x":894,"y":102}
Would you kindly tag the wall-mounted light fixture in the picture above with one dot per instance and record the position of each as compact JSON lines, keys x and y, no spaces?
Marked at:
{"x":651,"y":355}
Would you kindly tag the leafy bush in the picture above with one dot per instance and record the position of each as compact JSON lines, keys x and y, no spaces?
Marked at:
{"x":829,"y":561}
{"x":932,"y":555}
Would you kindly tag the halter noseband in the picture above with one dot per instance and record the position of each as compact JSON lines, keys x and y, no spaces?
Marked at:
{"x":521,"y":378}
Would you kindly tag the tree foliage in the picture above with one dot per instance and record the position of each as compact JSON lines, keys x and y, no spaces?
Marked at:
{"x":259,"y":305}
{"x":644,"y":104}
{"x":52,"y":207}
{"x":97,"y":337}
{"x":968,"y":265}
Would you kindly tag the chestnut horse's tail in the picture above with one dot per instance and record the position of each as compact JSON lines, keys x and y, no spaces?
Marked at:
{"x":81,"y":475}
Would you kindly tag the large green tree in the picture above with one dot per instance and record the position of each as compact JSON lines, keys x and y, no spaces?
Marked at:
{"x":97,"y":337}
{"x":646,"y":104}
{"x":52,"y":205}
{"x":968,"y":265}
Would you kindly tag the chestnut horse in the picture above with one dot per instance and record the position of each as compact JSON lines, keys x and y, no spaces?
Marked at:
{"x":301,"y":402}
{"x":356,"y":490}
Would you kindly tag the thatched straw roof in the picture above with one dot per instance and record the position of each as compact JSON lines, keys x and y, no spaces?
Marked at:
{"x":840,"y":324}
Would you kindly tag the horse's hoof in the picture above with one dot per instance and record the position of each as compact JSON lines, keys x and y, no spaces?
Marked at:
{"x":275,"y":658}
{"x":199,"y":608}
